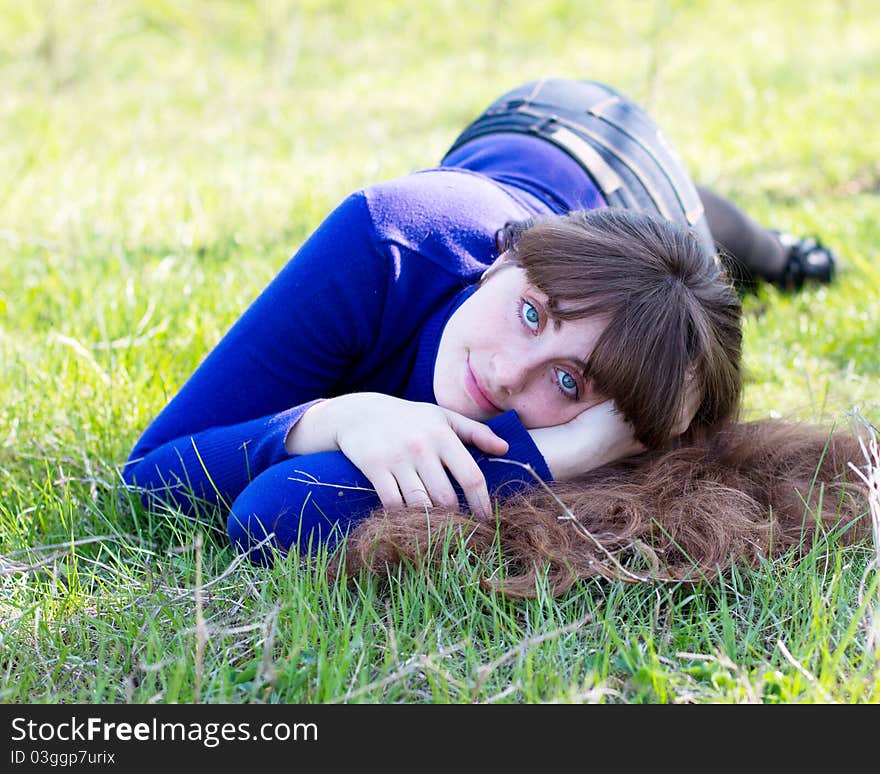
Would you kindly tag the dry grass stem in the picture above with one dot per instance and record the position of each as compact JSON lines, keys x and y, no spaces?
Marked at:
{"x":413,"y":664}
{"x":871,"y":477}
{"x":800,"y":668}
{"x":487,"y":669}
{"x":618,"y":571}
{"x":201,"y":633}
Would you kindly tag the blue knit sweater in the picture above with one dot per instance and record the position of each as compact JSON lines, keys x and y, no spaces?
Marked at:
{"x":360,"y":307}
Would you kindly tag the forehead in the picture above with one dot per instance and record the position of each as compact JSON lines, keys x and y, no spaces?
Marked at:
{"x":576,"y":337}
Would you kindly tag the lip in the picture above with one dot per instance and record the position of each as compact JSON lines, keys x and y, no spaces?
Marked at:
{"x":477,"y":393}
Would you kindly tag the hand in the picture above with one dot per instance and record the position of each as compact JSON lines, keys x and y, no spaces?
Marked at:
{"x":596,"y":436}
{"x":407,"y":450}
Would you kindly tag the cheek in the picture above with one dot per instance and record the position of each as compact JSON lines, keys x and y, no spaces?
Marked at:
{"x":494,"y":330}
{"x":543,"y":406}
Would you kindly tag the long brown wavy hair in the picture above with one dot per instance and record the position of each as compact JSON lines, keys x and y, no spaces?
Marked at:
{"x":725,"y":492}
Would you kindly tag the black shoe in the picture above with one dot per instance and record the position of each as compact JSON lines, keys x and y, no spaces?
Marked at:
{"x":808,"y":259}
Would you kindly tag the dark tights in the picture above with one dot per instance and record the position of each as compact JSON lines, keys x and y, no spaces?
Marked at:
{"x":750,"y":251}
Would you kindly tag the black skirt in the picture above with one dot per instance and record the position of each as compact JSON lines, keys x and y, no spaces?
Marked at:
{"x":610,"y":136}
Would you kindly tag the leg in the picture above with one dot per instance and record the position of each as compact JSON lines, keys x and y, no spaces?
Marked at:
{"x":752,"y":252}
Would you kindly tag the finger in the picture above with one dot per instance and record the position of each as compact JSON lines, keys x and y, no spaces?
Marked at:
{"x":436,"y":480}
{"x":412,"y":488}
{"x":476,"y":434}
{"x":386,"y":488}
{"x":470,"y":478}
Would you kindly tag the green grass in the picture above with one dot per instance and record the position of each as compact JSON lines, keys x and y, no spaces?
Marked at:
{"x":159,"y":162}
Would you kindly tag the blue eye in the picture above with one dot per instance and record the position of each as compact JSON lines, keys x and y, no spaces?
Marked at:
{"x":530,"y":315}
{"x":567,"y":383}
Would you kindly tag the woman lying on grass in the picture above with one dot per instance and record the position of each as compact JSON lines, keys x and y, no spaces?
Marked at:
{"x":541,"y":318}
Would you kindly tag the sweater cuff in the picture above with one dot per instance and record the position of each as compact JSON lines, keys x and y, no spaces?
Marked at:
{"x":503,"y":477}
{"x":280,"y":426}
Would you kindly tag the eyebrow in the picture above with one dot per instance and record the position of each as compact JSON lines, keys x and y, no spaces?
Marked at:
{"x":557,"y":324}
{"x":580,"y":364}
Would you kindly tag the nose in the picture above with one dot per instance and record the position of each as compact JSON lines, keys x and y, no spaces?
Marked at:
{"x":509,"y":371}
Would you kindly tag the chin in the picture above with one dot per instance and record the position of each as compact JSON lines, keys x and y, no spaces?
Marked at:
{"x":467,"y":409}
{"x":464,"y":406}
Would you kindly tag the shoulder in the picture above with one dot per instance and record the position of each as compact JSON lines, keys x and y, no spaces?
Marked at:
{"x":442,"y":214}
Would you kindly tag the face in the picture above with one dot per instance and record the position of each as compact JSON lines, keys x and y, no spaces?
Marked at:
{"x":502,"y":350}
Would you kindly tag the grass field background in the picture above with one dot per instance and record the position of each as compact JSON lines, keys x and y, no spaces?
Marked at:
{"x":160,"y":161}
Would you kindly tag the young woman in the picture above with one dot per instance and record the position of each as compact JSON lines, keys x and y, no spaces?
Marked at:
{"x":549,"y":296}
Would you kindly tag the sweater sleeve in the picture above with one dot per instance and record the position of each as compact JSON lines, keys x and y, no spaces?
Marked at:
{"x":292,"y":346}
{"x":312,"y":501}
{"x":504,"y":478}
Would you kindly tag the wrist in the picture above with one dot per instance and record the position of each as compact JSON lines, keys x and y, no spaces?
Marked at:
{"x":314,"y":431}
{"x":559,"y":451}
{"x":571,"y":454}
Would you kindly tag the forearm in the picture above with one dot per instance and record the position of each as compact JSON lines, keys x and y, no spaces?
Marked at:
{"x":504,"y":478}
{"x":213,"y":466}
{"x":313,"y":499}
{"x":596,"y":437}
{"x":316,"y":429}
{"x":567,"y":455}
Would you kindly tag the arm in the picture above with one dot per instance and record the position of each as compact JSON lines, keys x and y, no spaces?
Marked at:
{"x":311,"y":329}
{"x":312,"y":334}
{"x":594,"y":438}
{"x":293,"y":345}
{"x":212,"y":466}
{"x":412,"y":453}
{"x":313,"y":500}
